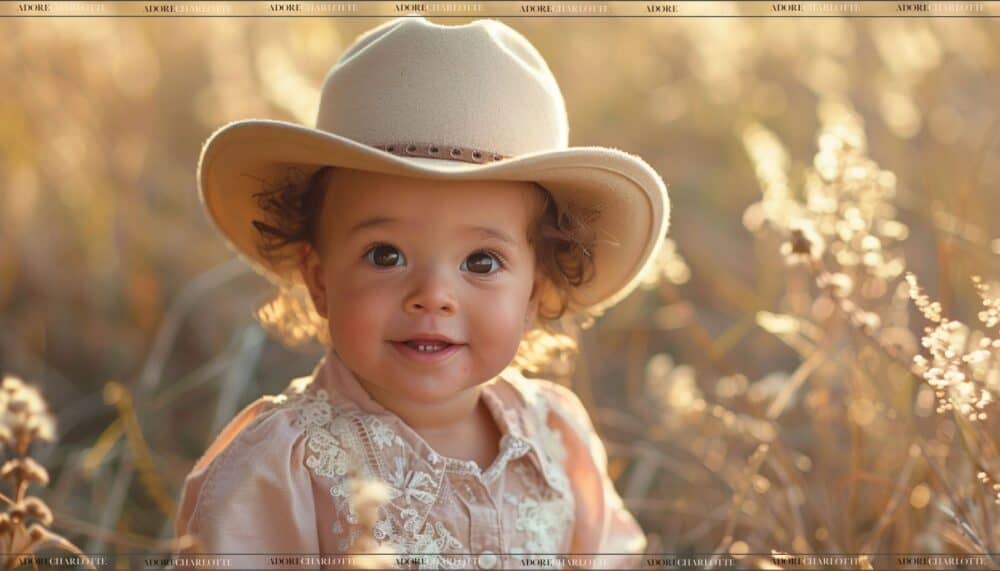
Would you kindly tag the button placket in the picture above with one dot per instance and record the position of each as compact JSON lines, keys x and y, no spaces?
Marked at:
{"x":485,"y":527}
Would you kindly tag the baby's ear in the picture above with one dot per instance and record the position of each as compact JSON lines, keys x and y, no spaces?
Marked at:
{"x":311,"y":270}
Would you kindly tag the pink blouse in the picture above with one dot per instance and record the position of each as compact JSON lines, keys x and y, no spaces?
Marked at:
{"x":276,"y":483}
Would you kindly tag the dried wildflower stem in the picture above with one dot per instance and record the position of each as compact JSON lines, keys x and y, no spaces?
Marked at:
{"x":782,"y":474}
{"x":804,"y":370}
{"x":949,"y":370}
{"x":117,"y":396}
{"x":892,"y":506}
{"x":960,"y":201}
{"x":679,"y":507}
{"x":979,"y":453}
{"x":943,"y":249}
{"x":722,"y":286}
{"x":152,"y":369}
{"x":669,"y":463}
{"x":638,"y":342}
{"x":986,"y":508}
{"x":43,"y":538}
{"x":735,"y":506}
{"x":963,"y":526}
{"x":801,"y":336}
{"x":116,"y":537}
{"x":728,"y":338}
{"x":973,"y":451}
{"x":700,"y":335}
{"x":969,"y":442}
{"x":24,"y":418}
{"x":829,"y":289}
{"x":102,"y":447}
{"x":955,"y":534}
{"x":182,"y":386}
{"x":982,"y":447}
{"x":771,"y":526}
{"x":366,"y":498}
{"x":155,"y":363}
{"x":857,"y":461}
{"x":707,"y":522}
{"x":672,"y":465}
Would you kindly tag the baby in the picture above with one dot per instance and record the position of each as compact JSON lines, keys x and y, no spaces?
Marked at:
{"x":442,"y":230}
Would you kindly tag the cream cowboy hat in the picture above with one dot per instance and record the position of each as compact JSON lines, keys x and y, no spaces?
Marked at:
{"x":468,"y":102}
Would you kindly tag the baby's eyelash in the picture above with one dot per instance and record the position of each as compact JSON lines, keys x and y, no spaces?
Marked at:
{"x":501,"y":260}
{"x":499,"y":257}
{"x":373,"y":245}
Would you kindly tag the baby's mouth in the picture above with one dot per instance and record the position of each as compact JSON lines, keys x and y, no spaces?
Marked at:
{"x":428,"y":346}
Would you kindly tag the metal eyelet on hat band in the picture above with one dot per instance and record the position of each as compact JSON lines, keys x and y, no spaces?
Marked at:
{"x":455,"y":153}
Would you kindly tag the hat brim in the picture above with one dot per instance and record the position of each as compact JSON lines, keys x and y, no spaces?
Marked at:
{"x":635,"y":207}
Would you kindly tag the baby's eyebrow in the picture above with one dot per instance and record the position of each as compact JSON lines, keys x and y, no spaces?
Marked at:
{"x":371,"y":222}
{"x":484,"y":231}
{"x":488,"y":232}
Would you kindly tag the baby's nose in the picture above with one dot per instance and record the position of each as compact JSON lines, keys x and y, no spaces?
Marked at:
{"x":432,"y":295}
{"x":446,"y":307}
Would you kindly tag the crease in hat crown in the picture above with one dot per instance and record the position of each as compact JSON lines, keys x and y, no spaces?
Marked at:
{"x":447,"y":85}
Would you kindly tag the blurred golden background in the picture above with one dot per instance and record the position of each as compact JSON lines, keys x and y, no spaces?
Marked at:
{"x":759,"y":393}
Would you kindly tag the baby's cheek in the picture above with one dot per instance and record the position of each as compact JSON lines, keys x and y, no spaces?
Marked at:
{"x":499,"y":329}
{"x":356,"y":322}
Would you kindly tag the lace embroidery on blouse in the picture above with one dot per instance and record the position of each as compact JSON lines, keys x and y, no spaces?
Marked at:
{"x":544,"y":519}
{"x":338,"y":439}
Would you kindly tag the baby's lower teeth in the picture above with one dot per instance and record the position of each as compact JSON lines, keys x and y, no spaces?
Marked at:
{"x":429,"y":348}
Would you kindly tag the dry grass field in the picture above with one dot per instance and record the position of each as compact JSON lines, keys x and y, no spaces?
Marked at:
{"x":812,"y":365}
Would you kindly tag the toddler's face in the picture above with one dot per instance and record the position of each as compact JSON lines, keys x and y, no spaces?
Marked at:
{"x":405,"y":263}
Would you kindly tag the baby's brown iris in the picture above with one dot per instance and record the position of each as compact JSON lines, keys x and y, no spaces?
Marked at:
{"x":481,"y":261}
{"x":384,"y":256}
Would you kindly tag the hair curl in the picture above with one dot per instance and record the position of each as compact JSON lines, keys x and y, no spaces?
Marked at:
{"x":563,"y":240}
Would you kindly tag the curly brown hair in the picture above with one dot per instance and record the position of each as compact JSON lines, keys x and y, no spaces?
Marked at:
{"x":562,"y":238}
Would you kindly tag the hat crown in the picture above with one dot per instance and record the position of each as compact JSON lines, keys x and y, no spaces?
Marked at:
{"x":481,"y":85}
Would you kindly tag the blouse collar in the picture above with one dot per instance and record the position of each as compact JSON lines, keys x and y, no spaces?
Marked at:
{"x":332,"y":374}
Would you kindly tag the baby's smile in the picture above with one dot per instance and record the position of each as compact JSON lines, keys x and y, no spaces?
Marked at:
{"x":428,"y":348}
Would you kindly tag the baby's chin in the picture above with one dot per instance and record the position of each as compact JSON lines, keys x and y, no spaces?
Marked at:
{"x":416,"y":394}
{"x":431,"y":386}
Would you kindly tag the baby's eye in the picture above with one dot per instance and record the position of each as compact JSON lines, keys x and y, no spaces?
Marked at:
{"x":482,"y":262}
{"x":384,"y":256}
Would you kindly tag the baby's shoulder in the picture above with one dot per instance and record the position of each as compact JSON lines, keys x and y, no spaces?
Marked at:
{"x":258,"y":457}
{"x":270,"y":422}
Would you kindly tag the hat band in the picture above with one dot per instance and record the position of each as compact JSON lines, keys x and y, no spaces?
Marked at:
{"x":447,"y":152}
